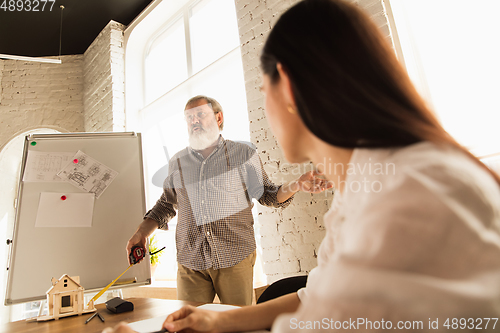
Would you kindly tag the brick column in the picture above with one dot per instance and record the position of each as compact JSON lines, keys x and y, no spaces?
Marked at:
{"x":104,"y":77}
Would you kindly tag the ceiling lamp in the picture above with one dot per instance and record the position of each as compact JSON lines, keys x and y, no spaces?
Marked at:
{"x":39,"y":59}
{"x":22,"y":58}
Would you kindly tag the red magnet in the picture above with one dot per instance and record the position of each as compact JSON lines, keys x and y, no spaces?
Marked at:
{"x":75,"y":160}
{"x":63,"y":197}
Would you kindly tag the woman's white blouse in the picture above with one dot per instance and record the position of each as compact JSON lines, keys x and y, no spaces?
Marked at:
{"x":415,"y":236}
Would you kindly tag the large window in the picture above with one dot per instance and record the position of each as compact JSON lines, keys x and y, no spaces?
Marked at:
{"x":166,"y":63}
{"x":195,"y":51}
{"x":451,"y":50}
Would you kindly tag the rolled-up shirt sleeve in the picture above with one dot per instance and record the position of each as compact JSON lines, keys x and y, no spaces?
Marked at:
{"x":165,"y":208}
{"x":260,"y":186}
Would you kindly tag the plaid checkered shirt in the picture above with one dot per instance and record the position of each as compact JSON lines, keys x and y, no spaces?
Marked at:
{"x":213,"y":198}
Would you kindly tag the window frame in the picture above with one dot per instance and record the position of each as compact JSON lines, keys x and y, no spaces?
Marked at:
{"x":135,"y":111}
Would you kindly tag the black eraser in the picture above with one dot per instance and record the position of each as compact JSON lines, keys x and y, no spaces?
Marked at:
{"x":118,"y":305}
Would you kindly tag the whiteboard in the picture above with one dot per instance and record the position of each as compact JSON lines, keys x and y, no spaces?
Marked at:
{"x":96,"y":252}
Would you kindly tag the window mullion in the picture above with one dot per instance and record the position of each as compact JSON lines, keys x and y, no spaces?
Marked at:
{"x":188,"y":42}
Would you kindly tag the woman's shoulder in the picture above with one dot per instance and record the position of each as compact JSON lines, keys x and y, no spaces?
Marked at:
{"x":425,"y":170}
{"x":443,"y":165}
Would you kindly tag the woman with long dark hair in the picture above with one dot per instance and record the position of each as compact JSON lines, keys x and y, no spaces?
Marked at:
{"x":413,"y":234}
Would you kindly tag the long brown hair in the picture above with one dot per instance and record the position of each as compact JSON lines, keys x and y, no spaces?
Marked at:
{"x":349,"y":87}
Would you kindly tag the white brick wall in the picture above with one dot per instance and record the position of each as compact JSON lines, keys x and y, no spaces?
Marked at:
{"x":84,"y":93}
{"x":36,"y":94}
{"x":290,"y":237}
{"x":103,"y":69}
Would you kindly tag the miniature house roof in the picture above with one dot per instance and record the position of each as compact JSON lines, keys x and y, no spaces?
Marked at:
{"x":75,"y":280}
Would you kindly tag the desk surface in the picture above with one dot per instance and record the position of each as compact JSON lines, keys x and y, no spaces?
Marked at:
{"x":144,"y":308}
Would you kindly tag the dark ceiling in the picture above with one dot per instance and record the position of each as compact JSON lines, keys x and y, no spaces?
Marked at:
{"x":31,"y":33}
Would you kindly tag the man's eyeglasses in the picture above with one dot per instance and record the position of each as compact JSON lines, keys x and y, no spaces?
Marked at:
{"x":200,"y":115}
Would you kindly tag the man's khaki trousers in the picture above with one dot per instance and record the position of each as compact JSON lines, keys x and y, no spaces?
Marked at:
{"x":233,"y":285}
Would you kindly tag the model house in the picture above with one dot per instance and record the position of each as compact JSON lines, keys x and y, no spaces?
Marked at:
{"x":65,"y":298}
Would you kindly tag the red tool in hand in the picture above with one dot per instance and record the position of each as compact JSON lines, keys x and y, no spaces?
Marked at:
{"x":136,"y":254}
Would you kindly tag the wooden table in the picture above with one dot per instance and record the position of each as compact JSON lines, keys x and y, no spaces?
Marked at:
{"x":144,"y":308}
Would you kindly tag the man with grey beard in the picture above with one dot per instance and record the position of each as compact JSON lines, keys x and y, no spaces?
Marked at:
{"x":210,"y":185}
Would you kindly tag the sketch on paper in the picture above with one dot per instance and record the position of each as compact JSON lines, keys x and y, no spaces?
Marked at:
{"x":44,"y":166}
{"x":88,"y":174}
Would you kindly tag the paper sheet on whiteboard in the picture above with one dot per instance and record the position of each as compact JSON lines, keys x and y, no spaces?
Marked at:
{"x":44,"y":166}
{"x":88,"y":174}
{"x":74,"y":211}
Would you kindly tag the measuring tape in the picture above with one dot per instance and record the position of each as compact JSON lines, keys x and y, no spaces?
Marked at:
{"x":136,"y":254}
{"x":107,"y":287}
